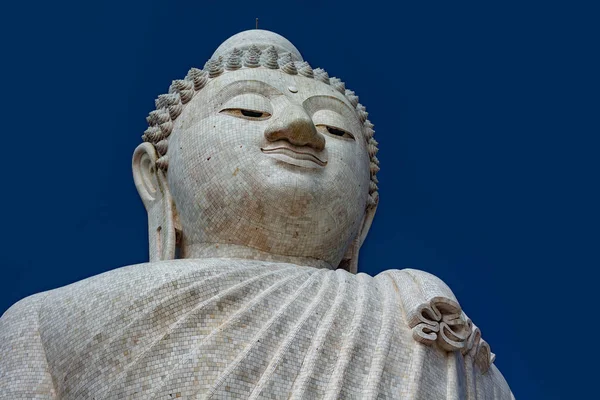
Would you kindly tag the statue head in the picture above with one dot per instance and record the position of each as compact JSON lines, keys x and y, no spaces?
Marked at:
{"x":259,"y":156}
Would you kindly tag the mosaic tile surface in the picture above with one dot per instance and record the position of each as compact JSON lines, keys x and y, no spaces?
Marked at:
{"x":234,"y":328}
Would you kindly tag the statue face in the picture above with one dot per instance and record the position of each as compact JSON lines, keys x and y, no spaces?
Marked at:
{"x":271,"y":161}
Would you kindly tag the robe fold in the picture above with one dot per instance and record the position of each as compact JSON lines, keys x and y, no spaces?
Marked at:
{"x":232,"y":328}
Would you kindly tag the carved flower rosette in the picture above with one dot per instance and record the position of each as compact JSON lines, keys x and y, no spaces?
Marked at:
{"x":440,"y":321}
{"x":435,"y":317}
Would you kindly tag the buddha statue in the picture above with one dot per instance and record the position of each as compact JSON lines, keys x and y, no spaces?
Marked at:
{"x":258,"y":174}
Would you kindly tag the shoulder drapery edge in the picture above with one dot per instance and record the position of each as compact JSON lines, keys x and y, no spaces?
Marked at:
{"x":433,"y":313}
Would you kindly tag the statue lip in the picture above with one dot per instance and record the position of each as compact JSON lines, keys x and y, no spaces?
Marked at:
{"x":293,"y":155}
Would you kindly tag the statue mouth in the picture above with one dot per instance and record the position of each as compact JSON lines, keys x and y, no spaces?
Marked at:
{"x":293,"y":155}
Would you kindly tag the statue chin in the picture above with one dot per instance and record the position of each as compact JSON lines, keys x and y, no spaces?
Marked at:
{"x":262,"y":171}
{"x":269,"y":206}
{"x":288,"y":229}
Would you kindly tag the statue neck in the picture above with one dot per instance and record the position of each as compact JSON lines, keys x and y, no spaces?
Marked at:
{"x":227,"y":250}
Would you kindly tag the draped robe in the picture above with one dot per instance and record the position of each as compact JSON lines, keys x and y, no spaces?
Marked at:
{"x":232,"y":328}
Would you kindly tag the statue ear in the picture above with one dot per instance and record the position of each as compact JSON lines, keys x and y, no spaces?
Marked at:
{"x":350,"y":260}
{"x":151,"y":184}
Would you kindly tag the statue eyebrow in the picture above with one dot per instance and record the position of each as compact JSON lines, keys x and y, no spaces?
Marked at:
{"x":249,"y":86}
{"x":320,"y":101}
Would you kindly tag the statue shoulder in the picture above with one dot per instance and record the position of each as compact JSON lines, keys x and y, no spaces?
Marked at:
{"x":22,"y":315}
{"x":22,"y":355}
{"x":27,"y":305}
{"x":435,"y":316}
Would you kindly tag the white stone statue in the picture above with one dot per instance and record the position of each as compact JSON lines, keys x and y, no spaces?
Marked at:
{"x":261,"y":171}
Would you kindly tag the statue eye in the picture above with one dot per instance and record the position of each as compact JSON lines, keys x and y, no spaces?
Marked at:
{"x":331,"y":130}
{"x":246,"y":114}
{"x":253,"y":114}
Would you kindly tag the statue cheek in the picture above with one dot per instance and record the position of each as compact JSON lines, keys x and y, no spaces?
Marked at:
{"x":353,"y":164}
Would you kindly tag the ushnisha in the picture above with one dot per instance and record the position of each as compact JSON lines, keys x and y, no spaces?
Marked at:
{"x":262,"y":172}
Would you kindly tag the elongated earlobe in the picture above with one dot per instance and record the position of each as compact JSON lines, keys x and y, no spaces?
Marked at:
{"x":151,"y":183}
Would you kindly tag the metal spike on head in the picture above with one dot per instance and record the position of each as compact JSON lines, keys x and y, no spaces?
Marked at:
{"x":261,"y":39}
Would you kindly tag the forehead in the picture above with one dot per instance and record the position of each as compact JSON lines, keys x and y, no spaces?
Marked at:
{"x":270,"y":82}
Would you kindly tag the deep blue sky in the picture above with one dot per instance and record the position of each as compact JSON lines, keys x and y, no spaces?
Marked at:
{"x":487,"y":117}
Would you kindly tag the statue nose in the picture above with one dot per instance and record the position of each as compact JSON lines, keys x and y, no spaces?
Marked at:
{"x":295,"y":126}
